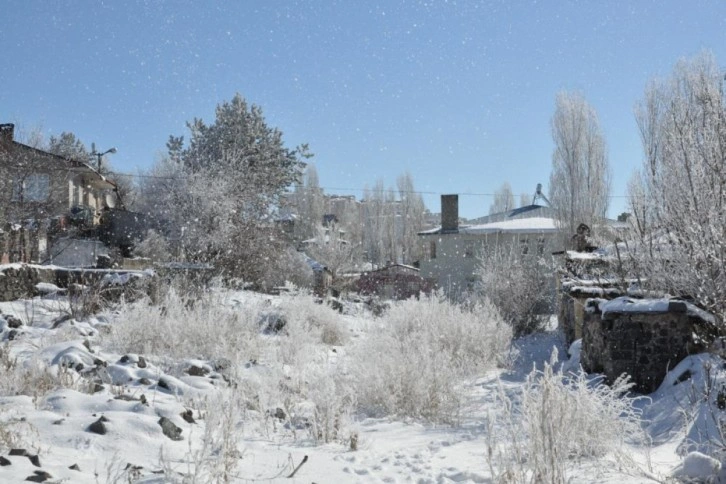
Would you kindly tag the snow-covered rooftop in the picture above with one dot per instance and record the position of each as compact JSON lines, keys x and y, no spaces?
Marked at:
{"x":533,"y":224}
{"x":520,"y":225}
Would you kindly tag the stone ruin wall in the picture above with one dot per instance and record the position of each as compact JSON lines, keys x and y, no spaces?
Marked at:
{"x":571,"y":308}
{"x":19,"y":280}
{"x":643,"y":345}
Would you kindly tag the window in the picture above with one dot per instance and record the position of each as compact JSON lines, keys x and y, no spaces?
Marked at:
{"x":524,"y":246}
{"x":540,"y":245}
{"x":32,"y":188}
{"x":469,"y":249}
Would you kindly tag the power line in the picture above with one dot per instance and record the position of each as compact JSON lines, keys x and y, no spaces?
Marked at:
{"x":349,"y":189}
{"x":420,"y":192}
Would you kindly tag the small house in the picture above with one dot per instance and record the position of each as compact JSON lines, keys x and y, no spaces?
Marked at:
{"x":451,"y":250}
{"x":394,"y":281}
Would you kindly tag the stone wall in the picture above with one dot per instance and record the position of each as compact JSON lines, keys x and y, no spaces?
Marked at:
{"x":644,"y":342}
{"x":592,"y":359}
{"x":19,"y":280}
{"x":572,"y":300}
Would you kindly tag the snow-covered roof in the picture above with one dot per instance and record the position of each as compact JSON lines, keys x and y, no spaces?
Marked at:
{"x":72,"y":161}
{"x":326,"y":240}
{"x":290,"y":217}
{"x":527,"y":211}
{"x":599,"y":254}
{"x":516,"y":226}
{"x":533,"y":224}
{"x":178,"y":265}
{"x":313,"y":264}
{"x":391,"y":266}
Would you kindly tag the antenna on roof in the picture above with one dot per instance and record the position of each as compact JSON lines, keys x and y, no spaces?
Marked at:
{"x":538,"y":194}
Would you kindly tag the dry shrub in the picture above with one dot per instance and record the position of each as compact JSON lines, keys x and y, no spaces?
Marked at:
{"x":304,"y":313}
{"x":413,"y":365}
{"x":559,"y":418}
{"x":206,"y":328}
{"x":520,"y":286}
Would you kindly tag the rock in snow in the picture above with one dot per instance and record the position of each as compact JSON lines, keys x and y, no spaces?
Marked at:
{"x":99,"y":426}
{"x":39,"y":476}
{"x":169,"y":429}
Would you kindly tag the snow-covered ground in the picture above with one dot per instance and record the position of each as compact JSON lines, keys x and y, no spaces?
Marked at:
{"x":201,"y":401}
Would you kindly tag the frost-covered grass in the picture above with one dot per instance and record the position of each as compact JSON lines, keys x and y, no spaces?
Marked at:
{"x":413,"y":363}
{"x":557,"y":418}
{"x":179,"y":327}
{"x":410,"y":364}
{"x":364,"y":396}
{"x":307,"y":317}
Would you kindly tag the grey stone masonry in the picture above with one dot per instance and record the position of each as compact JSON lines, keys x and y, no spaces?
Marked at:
{"x":643,"y":338}
{"x":572,"y":298}
{"x":20,"y":280}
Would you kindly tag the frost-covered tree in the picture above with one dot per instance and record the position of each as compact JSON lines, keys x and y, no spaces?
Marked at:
{"x":223,"y":186}
{"x":374,"y":231}
{"x":308,"y":204}
{"x":331,"y":248}
{"x":679,"y":199}
{"x":580,"y":178}
{"x":503,"y":199}
{"x":68,"y":145}
{"x":390,"y":224}
{"x":412,"y":210}
{"x":154,"y":246}
{"x":519,"y":285}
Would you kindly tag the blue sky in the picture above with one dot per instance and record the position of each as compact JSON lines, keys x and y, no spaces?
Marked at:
{"x":458,"y":93}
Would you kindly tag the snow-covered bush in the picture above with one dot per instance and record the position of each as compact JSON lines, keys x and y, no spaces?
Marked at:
{"x":287,"y":266}
{"x":154,"y":246}
{"x":303,"y":313}
{"x":177,"y":328}
{"x":16,"y":431}
{"x":330,"y":394}
{"x":519,"y":285}
{"x":413,"y":363}
{"x":559,"y":417}
{"x":319,"y":402}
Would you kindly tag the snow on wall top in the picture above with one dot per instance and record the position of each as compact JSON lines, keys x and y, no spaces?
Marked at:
{"x":626,"y":305}
{"x":19,"y":265}
{"x":599,"y":254}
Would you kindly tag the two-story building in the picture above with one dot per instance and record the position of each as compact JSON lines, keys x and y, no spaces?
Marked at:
{"x":40,"y":190}
{"x":451,"y":251}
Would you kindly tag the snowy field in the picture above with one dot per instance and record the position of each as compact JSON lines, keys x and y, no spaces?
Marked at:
{"x":241,"y":387}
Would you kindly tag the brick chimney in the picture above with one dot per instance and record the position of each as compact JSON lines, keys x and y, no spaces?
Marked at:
{"x":449,"y":214}
{"x":7,"y":132}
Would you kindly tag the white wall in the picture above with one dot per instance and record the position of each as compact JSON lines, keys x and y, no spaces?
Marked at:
{"x":454,"y":266}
